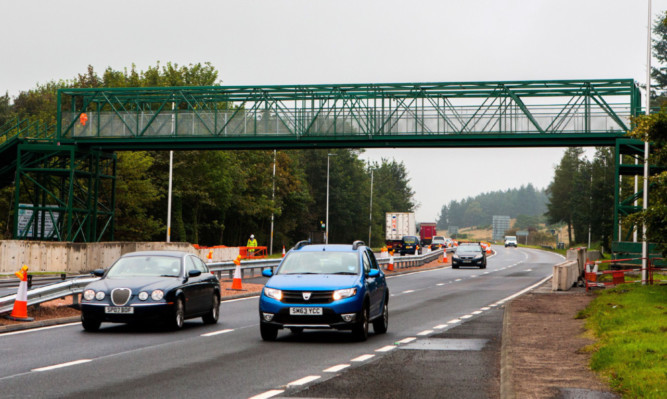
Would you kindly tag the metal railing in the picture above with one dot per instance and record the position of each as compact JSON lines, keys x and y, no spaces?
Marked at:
{"x":75,"y":286}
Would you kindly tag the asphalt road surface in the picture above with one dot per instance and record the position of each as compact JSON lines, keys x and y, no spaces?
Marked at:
{"x":427,"y":310}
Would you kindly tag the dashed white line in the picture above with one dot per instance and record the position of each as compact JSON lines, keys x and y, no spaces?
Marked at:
{"x":477,"y":312}
{"x":425,"y":332}
{"x":57,"y":366}
{"x":335,"y":369}
{"x":362,"y":358}
{"x":453,"y":321}
{"x":304,"y":380}
{"x":474,"y":275}
{"x":440,"y":284}
{"x":466,"y":316}
{"x":408,"y":291}
{"x":406,"y":340}
{"x":217,"y":332}
{"x":386,"y":348}
{"x":38,"y":329}
{"x":440,"y":326}
{"x":485,"y":308}
{"x":268,"y":394}
{"x":458,"y":279}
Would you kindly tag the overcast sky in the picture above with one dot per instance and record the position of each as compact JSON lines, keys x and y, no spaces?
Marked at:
{"x":320,"y":41}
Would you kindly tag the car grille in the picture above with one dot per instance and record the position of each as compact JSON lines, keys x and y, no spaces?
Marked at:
{"x":120,"y":296}
{"x":315,"y":297}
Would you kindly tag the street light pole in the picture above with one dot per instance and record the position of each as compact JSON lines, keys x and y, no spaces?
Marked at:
{"x":646,"y":149}
{"x":326,"y":232}
{"x":370,"y":216}
{"x":273,"y":200}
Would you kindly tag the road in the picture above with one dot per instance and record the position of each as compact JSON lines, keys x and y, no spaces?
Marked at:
{"x":230,"y":360}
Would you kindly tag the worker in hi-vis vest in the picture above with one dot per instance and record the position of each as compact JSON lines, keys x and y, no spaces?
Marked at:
{"x":251,"y":244}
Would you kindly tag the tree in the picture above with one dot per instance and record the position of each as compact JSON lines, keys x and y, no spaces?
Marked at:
{"x":561,"y":192}
{"x":660,"y":53}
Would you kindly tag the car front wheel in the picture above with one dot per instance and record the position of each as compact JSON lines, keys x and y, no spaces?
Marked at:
{"x":90,"y":324}
{"x":178,"y":316}
{"x":381,"y":324}
{"x":360,"y":331}
{"x":268,"y":332}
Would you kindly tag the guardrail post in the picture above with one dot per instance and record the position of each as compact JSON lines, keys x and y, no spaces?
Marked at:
{"x":29,"y":281}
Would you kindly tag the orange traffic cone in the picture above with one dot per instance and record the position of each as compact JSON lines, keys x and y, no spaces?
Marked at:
{"x":384,"y":254}
{"x":390,"y":267}
{"x":283,"y":251}
{"x":210,"y":256}
{"x":236,"y":283}
{"x":20,"y":311}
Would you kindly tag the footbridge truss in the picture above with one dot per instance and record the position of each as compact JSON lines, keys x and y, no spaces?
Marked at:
{"x":64,"y":175}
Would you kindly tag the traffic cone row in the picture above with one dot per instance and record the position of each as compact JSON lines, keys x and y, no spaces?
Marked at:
{"x":20,"y":310}
{"x":236,"y":282}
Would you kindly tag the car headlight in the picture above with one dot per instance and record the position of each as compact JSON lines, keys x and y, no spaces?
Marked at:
{"x":157,"y":295}
{"x":88,"y":295}
{"x":346,"y":293}
{"x":143,"y":295}
{"x":100,"y":295}
{"x":480,"y":256}
{"x":273,"y":293}
{"x":455,"y":256}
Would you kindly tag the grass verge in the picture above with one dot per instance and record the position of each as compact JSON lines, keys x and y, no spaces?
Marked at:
{"x":630,"y":323}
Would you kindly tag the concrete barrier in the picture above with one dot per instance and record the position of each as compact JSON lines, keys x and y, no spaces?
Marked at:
{"x":566,"y":274}
{"x":47,"y":256}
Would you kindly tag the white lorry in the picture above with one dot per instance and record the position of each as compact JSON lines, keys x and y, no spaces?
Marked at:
{"x":398,"y":225}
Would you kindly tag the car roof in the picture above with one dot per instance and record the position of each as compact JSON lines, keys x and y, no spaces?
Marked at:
{"x":177,"y":254}
{"x":328,"y":247}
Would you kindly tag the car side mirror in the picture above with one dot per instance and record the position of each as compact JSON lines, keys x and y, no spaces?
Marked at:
{"x":98,"y":272}
{"x":267,"y":272}
{"x":194,"y":273}
{"x":374,"y":273}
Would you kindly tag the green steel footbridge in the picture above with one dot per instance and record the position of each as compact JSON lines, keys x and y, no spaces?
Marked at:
{"x":64,"y":175}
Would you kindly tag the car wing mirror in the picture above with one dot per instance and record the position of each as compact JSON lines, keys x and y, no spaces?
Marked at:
{"x":194,"y":273}
{"x":98,"y":272}
{"x":267,"y":272}
{"x":374,"y":273}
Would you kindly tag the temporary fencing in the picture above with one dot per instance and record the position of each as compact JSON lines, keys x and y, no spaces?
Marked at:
{"x":252,"y":252}
{"x":594,"y":278}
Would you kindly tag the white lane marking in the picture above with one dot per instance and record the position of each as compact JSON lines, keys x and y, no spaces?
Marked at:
{"x":386,"y":348}
{"x":57,"y":366}
{"x":335,"y":369}
{"x":425,"y":332}
{"x":241,"y":299}
{"x":440,"y":326}
{"x":458,"y":279}
{"x":529,"y":270}
{"x":524,"y":290}
{"x":477,"y":312}
{"x":362,"y":358}
{"x":268,"y":394}
{"x":39,"y":329}
{"x":466,"y":316}
{"x":407,"y":340}
{"x":486,"y":272}
{"x":453,"y":321}
{"x":408,"y":291}
{"x":485,"y":308}
{"x":304,"y":380}
{"x":474,"y":275}
{"x":217,"y":332}
{"x":440,"y":284}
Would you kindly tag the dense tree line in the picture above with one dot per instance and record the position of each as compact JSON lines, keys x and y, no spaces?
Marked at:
{"x":221,"y":197}
{"x":479,"y":210}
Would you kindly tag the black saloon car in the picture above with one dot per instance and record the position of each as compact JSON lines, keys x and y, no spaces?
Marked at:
{"x":409,"y":245}
{"x":167,"y":286}
{"x":469,"y":254}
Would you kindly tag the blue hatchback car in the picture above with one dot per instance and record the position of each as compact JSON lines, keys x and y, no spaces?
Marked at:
{"x":325,"y":286}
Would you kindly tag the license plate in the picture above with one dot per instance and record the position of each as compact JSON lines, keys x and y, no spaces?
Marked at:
{"x":467,"y":261}
{"x":305,"y":311}
{"x":119,"y":309}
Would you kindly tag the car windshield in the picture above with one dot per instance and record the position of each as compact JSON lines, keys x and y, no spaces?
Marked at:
{"x":469,"y":248}
{"x":146,"y":266}
{"x":409,"y":240}
{"x":321,"y":262}
{"x":510,"y":238}
{"x":439,"y":239}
